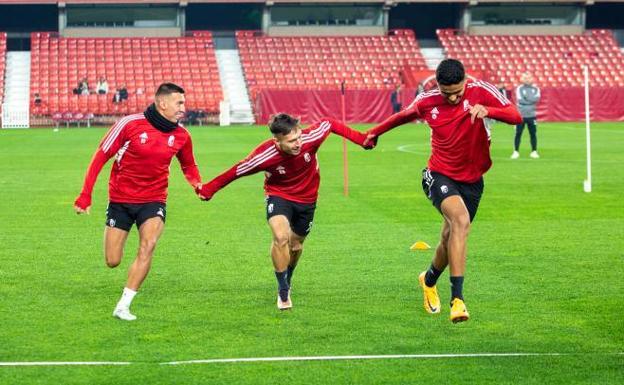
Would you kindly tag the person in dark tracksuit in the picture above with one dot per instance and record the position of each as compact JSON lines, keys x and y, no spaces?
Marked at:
{"x":527,"y":97}
{"x":395,"y":99}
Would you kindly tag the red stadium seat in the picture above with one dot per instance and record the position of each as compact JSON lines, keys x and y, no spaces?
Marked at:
{"x":58,"y":63}
{"x":506,"y":57}
{"x":318,"y":58}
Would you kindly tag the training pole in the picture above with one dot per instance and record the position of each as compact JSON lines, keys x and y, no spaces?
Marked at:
{"x":587,"y":183}
{"x":345,"y":161}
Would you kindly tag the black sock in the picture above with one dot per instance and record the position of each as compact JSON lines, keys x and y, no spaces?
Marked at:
{"x":457,"y":286}
{"x":290,"y":271}
{"x":282,"y":284}
{"x":432,"y":275}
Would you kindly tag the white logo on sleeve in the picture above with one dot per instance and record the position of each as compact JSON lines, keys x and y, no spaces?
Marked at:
{"x":143,"y":137}
{"x":444,"y":189}
{"x":170,"y":141}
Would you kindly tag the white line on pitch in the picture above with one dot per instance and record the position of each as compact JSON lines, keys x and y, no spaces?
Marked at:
{"x":370,"y":357}
{"x":305,"y":358}
{"x":406,"y":148}
{"x":61,"y":363}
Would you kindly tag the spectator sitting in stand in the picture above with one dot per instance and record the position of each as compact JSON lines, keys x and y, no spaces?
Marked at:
{"x":82,"y":88}
{"x":123,"y":92}
{"x":102,"y":86}
{"x":117,"y":97}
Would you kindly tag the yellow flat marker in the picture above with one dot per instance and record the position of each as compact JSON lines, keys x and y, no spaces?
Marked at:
{"x":420,"y":245}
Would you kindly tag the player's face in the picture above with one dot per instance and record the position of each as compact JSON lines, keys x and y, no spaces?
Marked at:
{"x":172,"y":106}
{"x":454,"y":92}
{"x":290,"y":143}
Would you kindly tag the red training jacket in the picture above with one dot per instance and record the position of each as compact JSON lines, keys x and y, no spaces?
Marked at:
{"x":143,"y":154}
{"x":459,"y":149}
{"x":292,"y":177}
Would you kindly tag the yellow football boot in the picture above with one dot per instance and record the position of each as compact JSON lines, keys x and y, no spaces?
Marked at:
{"x":459,"y":313}
{"x":430,"y":295}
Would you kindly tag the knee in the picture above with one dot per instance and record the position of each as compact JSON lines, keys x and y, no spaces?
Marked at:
{"x":461,"y":225}
{"x":112,"y":259}
{"x":112,"y":263}
{"x":280,"y":240}
{"x":146,"y":248}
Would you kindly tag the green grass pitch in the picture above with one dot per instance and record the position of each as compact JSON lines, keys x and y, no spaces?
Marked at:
{"x":544,"y":271}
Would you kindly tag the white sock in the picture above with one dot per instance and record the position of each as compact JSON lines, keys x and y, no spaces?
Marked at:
{"x":126,"y":298}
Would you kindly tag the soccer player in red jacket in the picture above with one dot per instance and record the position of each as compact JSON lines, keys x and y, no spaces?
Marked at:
{"x":453,"y":179}
{"x":143,"y":145}
{"x":291,"y":185}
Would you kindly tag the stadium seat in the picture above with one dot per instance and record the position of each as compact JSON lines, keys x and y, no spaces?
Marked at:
{"x":58,"y":63}
{"x":312,"y":62}
{"x":505,"y":57}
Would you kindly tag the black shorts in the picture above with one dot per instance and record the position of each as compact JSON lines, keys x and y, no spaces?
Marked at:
{"x":299,"y":215}
{"x":123,"y":215}
{"x":438,"y":187}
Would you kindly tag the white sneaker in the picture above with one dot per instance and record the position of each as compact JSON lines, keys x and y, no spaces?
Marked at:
{"x":123,"y":314}
{"x":284,"y":305}
{"x":515,"y":155}
{"x":534,"y":155}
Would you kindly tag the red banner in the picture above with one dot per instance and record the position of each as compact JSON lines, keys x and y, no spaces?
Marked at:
{"x":362,"y":106}
{"x":370,"y":106}
{"x":568,"y":104}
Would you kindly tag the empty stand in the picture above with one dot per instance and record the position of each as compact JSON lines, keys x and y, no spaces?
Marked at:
{"x":554,"y":61}
{"x":314,"y":62}
{"x":57,"y":65}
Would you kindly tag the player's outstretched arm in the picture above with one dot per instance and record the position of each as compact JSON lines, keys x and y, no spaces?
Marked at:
{"x":495,"y":106}
{"x":206,"y":191}
{"x":400,"y":118}
{"x":188,"y":165}
{"x":355,"y":136}
{"x":508,"y":114}
{"x":82,"y":204}
{"x":253,"y":163}
{"x":110,"y":144}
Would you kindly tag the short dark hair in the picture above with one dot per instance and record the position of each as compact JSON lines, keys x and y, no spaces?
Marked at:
{"x":449,"y":72}
{"x":168,"y":89}
{"x":282,"y":123}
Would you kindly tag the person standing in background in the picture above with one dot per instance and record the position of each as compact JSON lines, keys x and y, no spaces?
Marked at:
{"x":395,"y":99}
{"x":527,"y":97}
